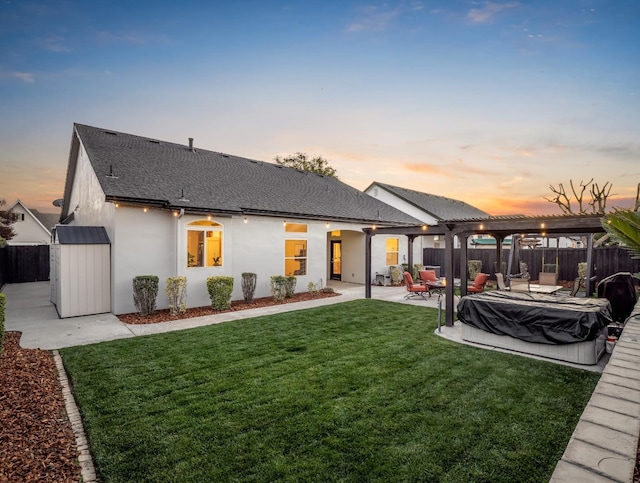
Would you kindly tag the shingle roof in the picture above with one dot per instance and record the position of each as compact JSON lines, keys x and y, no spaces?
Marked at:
{"x":136,"y":168}
{"x":81,"y":235}
{"x":438,"y":206}
{"x":48,"y":220}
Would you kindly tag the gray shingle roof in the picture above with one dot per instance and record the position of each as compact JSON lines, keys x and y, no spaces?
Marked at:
{"x":148,"y":170}
{"x":48,"y":220}
{"x":438,"y":206}
{"x":81,"y":235}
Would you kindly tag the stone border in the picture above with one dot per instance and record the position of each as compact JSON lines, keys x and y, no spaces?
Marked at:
{"x":85,"y":459}
{"x":603,"y":447}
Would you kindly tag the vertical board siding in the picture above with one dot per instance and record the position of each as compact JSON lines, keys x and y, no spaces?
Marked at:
{"x":606,"y":260}
{"x":20,"y":264}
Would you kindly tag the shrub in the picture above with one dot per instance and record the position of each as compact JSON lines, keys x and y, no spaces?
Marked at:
{"x":312,"y":288}
{"x":475,"y":267}
{"x":145,"y":291}
{"x":290,"y":286}
{"x":582,"y":270}
{"x":220,"y":289}
{"x":416,"y":268}
{"x":176,"y":290}
{"x":396,"y":275}
{"x":2,"y":305}
{"x":549,"y":268}
{"x":278,"y":290}
{"x":248,"y":286}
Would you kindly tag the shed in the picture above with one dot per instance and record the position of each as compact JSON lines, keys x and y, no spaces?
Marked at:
{"x":80,"y":270}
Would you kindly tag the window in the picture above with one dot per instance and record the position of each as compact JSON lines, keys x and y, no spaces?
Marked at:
{"x":204,"y":244}
{"x":392,"y":251}
{"x":295,"y":257}
{"x":295,"y":227}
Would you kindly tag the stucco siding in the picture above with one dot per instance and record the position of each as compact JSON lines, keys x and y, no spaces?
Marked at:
{"x":143,"y":244}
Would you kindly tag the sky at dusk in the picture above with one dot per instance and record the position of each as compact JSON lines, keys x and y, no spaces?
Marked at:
{"x":488,"y":102}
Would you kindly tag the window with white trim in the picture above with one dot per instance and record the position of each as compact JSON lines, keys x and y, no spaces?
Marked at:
{"x":295,"y":251}
{"x":392,"y":245}
{"x":295,"y":257}
{"x":204,"y":244}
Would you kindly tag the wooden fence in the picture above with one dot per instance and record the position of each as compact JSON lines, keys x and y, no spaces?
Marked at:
{"x":24,"y":264}
{"x":606,"y":260}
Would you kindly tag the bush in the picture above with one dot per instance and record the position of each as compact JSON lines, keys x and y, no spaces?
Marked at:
{"x":396,"y":275}
{"x":475,"y":267}
{"x":220,"y":289}
{"x":2,"y":305}
{"x":145,"y":291}
{"x":290,"y":286}
{"x":278,"y":289}
{"x":248,"y":286}
{"x":176,"y":290}
{"x":549,"y":268}
{"x":416,"y":268}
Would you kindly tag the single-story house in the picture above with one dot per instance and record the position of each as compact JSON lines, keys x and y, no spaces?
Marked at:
{"x":31,"y":226}
{"x":177,"y":210}
{"x":429,"y":209}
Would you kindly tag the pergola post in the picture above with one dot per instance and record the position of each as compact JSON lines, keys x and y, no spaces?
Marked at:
{"x":449,"y":274}
{"x":464,"y":266}
{"x":587,"y":283}
{"x":410,"y":239}
{"x":499,"y":240}
{"x":367,"y":265}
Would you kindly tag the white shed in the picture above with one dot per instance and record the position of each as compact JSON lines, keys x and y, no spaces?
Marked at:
{"x":80,"y":270}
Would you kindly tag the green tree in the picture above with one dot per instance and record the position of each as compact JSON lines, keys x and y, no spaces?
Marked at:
{"x":6,"y":220}
{"x":624,"y":226}
{"x":302,"y":161}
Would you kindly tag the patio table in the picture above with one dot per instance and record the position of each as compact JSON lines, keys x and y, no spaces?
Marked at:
{"x":549,"y":289}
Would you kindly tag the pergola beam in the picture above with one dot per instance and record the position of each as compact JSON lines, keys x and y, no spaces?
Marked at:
{"x":499,"y":228}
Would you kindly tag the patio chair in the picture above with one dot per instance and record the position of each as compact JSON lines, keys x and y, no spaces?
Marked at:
{"x":548,"y":278}
{"x":500,"y":280}
{"x":576,"y":287}
{"x":519,"y":285}
{"x":414,"y":289}
{"x":478,"y":283}
{"x":427,"y":276}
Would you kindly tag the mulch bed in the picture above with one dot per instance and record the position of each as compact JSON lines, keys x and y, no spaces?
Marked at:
{"x":36,"y":440}
{"x":165,"y":316}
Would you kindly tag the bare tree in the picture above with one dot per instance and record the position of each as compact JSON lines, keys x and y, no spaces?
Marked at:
{"x":597,"y":203}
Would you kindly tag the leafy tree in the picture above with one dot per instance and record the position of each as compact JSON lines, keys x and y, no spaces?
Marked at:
{"x":302,"y":161}
{"x":6,"y":220}
{"x":623,"y":225}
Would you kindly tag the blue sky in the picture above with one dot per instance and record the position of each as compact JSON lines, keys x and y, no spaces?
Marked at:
{"x":486,"y":102}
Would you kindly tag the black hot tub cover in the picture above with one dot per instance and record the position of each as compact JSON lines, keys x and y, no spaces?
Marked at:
{"x":539,"y":318}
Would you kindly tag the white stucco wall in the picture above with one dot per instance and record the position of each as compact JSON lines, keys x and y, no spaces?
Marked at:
{"x":28,"y":231}
{"x":391,"y":199}
{"x":155,"y":243}
{"x":87,"y":200}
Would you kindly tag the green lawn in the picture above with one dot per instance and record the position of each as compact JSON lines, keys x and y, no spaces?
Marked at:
{"x":358,"y":391}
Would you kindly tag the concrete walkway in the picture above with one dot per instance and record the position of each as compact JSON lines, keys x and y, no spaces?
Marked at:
{"x":30,"y":311}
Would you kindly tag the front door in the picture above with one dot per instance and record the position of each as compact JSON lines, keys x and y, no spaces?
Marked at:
{"x":336,"y":260}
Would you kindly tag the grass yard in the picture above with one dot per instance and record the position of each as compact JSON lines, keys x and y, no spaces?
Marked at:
{"x":357,"y":391}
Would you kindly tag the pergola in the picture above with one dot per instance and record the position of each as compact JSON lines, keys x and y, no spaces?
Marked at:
{"x":499,"y":228}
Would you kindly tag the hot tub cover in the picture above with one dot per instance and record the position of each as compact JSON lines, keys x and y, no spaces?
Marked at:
{"x":532,"y":317}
